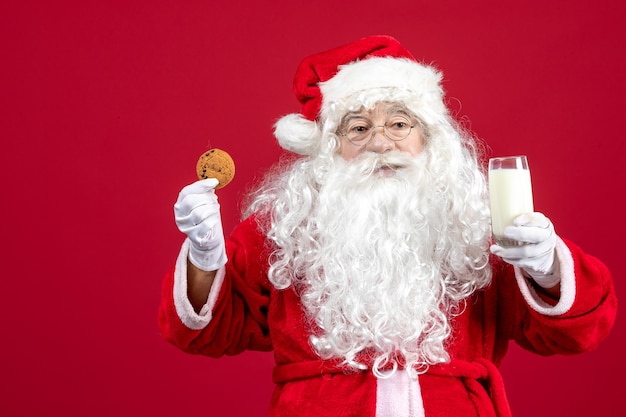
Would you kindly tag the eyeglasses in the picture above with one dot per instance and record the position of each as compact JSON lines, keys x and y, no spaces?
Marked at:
{"x":361,"y":132}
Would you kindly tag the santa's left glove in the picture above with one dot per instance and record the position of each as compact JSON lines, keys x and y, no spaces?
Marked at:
{"x":536,"y":255}
{"x":197,"y":214}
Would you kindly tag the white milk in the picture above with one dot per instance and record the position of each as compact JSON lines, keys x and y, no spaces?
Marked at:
{"x":511,"y":194}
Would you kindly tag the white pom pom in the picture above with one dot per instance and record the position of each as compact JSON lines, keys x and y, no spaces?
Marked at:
{"x":297,"y":134}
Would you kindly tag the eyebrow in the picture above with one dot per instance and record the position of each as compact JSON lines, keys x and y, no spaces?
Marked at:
{"x":390,"y":109}
{"x":397,"y":108}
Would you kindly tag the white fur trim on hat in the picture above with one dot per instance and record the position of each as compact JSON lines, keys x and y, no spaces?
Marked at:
{"x":421,"y":82}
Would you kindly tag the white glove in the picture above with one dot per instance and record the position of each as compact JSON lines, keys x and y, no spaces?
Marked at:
{"x":197,"y":214}
{"x":537,"y":255}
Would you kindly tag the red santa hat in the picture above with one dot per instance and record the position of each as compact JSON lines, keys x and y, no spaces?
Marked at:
{"x":362,"y":73}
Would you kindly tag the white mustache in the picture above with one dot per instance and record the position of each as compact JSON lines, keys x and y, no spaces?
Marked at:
{"x":369,"y":163}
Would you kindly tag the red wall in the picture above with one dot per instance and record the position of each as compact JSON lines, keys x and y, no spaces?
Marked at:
{"x":106,"y":106}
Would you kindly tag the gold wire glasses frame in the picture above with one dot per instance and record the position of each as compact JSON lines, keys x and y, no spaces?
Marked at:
{"x":395,"y":130}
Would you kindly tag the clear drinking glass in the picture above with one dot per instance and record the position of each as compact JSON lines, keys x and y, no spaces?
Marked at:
{"x":510,"y":194}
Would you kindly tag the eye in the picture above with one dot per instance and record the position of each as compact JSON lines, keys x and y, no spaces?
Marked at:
{"x":398,"y":123}
{"x":358,"y":128}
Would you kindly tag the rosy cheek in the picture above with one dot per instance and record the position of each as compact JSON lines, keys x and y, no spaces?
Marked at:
{"x":348,"y":151}
{"x":348,"y":155}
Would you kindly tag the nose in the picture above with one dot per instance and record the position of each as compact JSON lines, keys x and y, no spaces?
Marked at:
{"x":380,"y":143}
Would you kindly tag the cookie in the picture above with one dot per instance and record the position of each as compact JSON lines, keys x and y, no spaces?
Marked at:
{"x":216,"y":164}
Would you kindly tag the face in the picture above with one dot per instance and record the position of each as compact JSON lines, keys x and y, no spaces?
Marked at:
{"x":363,"y":131}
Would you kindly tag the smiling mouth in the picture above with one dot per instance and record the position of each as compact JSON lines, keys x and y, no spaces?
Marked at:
{"x":387,"y":169}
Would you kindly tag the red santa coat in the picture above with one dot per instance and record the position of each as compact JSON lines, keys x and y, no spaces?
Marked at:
{"x":244,"y":311}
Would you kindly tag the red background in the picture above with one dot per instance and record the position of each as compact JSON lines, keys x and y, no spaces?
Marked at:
{"x":106,"y":106}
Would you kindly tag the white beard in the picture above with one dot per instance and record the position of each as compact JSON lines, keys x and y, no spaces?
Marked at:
{"x":382,"y":258}
{"x":377,"y":283}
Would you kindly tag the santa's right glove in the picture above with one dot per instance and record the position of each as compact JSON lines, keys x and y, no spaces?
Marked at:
{"x":197,"y":214}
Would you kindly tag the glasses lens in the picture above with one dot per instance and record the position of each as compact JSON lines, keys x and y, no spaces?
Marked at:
{"x":359,"y":133}
{"x":397,"y":128}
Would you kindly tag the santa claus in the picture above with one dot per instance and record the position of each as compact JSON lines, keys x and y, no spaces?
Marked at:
{"x":367,"y":264}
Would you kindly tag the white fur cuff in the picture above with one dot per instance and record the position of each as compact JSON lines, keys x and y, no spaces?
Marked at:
{"x":568,"y":285}
{"x":184,"y":309}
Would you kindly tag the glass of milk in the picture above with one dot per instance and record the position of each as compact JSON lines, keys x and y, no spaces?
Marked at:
{"x":510,"y":194}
